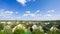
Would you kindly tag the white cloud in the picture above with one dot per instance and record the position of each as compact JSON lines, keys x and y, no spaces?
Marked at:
{"x":32,"y":15}
{"x":48,"y":15}
{"x":9,"y":12}
{"x":11,"y":15}
{"x":25,"y":14}
{"x":37,"y":11}
{"x":51,"y":11}
{"x":28,"y":12}
{"x":6,"y":13}
{"x":23,"y":2}
{"x":16,"y":12}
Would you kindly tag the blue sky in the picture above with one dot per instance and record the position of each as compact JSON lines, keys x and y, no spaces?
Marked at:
{"x":29,"y":9}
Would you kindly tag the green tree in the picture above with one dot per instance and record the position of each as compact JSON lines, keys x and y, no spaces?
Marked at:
{"x":1,"y":26}
{"x":2,"y":32}
{"x":37,"y":31}
{"x":19,"y":31}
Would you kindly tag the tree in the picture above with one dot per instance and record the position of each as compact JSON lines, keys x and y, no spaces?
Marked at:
{"x":19,"y":31}
{"x":1,"y":26}
{"x":37,"y":31}
{"x":1,"y":32}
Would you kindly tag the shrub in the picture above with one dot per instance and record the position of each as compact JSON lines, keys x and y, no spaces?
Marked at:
{"x":7,"y":29}
{"x":1,"y":26}
{"x":2,"y":32}
{"x":19,"y":31}
{"x":37,"y":31}
{"x":53,"y":32}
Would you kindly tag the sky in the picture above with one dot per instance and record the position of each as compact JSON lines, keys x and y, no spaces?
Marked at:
{"x":29,"y":9}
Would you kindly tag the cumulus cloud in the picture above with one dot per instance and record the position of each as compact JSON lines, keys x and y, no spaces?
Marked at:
{"x":32,"y":15}
{"x":37,"y":11}
{"x":16,"y":12}
{"x":48,"y":15}
{"x":6,"y":14}
{"x":28,"y":13}
{"x":23,"y":2}
{"x":51,"y":11}
{"x":37,"y":15}
{"x":9,"y":12}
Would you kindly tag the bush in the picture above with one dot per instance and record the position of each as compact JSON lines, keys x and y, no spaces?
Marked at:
{"x":53,"y":32}
{"x":37,"y":31}
{"x":7,"y":29}
{"x":19,"y":31}
{"x":1,"y":26}
{"x":2,"y":32}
